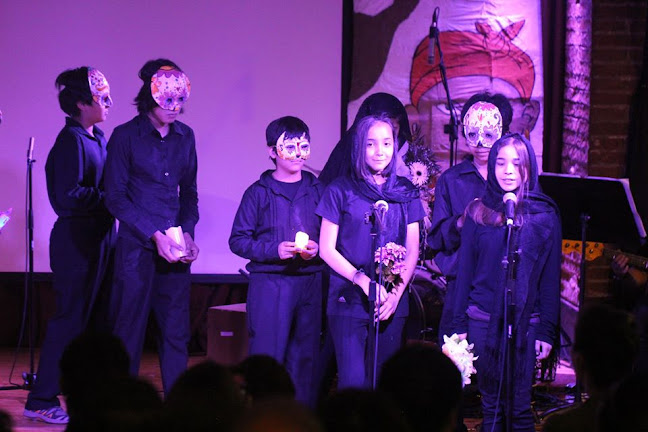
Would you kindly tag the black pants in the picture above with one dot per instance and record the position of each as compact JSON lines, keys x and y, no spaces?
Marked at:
{"x":144,"y":283}
{"x":284,"y":321}
{"x":445,"y":324}
{"x":80,"y":257}
{"x":354,"y":347}
{"x":494,"y":405}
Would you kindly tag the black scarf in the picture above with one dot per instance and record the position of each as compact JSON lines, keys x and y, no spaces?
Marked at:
{"x":398,"y":192}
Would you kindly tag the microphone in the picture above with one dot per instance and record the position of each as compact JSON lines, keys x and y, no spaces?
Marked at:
{"x":381,"y":207}
{"x":30,"y":149}
{"x":510,"y":201}
{"x":434,"y":34}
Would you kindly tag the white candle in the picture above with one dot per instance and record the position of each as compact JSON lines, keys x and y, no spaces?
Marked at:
{"x":301,"y":240}
{"x":177,"y":236}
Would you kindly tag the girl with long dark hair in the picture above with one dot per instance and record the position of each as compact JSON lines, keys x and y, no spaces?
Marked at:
{"x":480,"y":306}
{"x":346,"y":245}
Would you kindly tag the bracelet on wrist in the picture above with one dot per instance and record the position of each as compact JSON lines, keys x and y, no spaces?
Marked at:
{"x":357,"y":272}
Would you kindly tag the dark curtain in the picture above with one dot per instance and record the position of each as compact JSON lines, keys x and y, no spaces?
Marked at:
{"x":637,"y":154}
{"x":347,"y":57}
{"x":553,"y":54}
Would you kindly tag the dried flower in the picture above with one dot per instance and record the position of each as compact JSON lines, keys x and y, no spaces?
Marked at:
{"x":421,"y":163}
{"x":423,"y":169}
{"x":419,"y":173}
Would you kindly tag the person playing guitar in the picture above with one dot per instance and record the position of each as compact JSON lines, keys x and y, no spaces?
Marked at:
{"x":631,"y":292}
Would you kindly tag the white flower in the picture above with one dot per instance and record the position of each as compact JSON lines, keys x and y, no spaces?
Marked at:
{"x":420,"y":174}
{"x":460,"y":352}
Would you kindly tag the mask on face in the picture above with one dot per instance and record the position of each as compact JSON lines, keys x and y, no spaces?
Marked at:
{"x":482,"y":125}
{"x":99,"y":88}
{"x":287,"y":148}
{"x":170,"y":88}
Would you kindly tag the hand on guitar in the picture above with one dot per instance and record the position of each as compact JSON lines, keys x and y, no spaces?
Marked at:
{"x":622,"y":269}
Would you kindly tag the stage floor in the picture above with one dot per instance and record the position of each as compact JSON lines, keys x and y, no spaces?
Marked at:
{"x":13,"y":401}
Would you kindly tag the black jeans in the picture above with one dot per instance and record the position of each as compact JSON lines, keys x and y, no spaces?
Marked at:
{"x":494,"y":405}
{"x":284,"y":316}
{"x":80,"y":257}
{"x":144,"y":283}
{"x":354,"y":347}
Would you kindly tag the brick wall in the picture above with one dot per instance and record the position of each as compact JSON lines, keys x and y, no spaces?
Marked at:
{"x":619,"y":28}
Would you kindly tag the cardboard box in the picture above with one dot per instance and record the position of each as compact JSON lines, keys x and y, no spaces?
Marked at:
{"x":227,"y":336}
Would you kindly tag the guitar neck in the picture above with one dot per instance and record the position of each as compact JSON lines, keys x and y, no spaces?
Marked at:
{"x":634,"y":260}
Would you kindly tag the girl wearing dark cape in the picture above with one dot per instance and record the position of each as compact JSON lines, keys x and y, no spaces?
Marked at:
{"x":480,"y":302}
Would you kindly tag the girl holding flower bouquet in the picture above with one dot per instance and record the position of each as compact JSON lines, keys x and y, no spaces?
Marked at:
{"x":347,"y":247}
{"x":480,"y":302}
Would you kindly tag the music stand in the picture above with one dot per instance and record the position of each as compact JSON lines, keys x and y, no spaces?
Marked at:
{"x":608,"y":202}
{"x":598,"y":208}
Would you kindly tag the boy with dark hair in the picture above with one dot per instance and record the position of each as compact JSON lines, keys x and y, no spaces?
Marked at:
{"x":151,"y":187}
{"x":285,"y":290}
{"x":83,"y":236}
{"x":485,"y":118}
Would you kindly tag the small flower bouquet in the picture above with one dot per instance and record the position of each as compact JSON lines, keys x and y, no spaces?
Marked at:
{"x":460,"y":352}
{"x":392,"y":256}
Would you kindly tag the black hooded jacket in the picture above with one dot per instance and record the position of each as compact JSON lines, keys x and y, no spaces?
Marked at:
{"x":481,"y":279}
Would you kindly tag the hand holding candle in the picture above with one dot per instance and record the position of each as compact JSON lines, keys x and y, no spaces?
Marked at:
{"x":306,"y":248}
{"x":301,"y":240}
{"x":177,"y":236}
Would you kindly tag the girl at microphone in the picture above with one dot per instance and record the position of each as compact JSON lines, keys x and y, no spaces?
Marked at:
{"x":347,"y":247}
{"x":480,"y":306}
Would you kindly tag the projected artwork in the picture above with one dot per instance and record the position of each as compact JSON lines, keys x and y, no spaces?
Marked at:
{"x":493,"y":47}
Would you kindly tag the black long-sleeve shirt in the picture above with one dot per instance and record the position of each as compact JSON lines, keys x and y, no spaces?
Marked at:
{"x":150,"y":180}
{"x":74,"y":170}
{"x":455,"y":189}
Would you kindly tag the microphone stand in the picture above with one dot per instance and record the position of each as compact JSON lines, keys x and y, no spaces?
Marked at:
{"x":377,"y":228}
{"x":30,"y":377}
{"x":451,"y":128}
{"x":584,"y":219}
{"x":29,"y":305}
{"x":509,"y":264}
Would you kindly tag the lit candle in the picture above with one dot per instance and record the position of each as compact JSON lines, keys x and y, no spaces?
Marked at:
{"x":301,"y":240}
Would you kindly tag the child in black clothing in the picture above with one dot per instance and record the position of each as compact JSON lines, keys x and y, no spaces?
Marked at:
{"x":83,"y":236}
{"x":481,"y":280}
{"x":347,"y":247}
{"x":285,"y":290}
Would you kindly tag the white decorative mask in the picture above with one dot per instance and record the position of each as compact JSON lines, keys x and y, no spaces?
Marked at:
{"x":99,"y":88}
{"x":482,"y":125}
